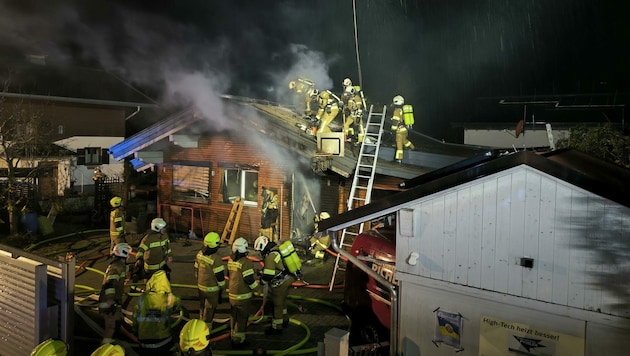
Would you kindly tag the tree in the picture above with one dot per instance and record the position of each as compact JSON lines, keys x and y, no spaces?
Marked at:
{"x":605,"y":142}
{"x":24,"y":136}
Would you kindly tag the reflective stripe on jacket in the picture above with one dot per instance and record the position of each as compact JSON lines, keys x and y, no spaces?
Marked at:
{"x":240,"y":272}
{"x":210,"y":272}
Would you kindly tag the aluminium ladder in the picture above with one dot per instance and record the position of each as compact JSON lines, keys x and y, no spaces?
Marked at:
{"x":363,"y":180}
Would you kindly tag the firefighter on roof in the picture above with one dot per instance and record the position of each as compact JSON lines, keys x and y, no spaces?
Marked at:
{"x":116,"y":223}
{"x":154,"y":252}
{"x":111,"y":296}
{"x":241,"y":286}
{"x":152,"y":316}
{"x":400,"y":125}
{"x":353,"y":114}
{"x":329,"y":106}
{"x":302,"y":89}
{"x":210,"y":273}
{"x":278,"y":276}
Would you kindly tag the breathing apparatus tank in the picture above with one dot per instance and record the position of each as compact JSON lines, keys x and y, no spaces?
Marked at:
{"x":290,"y":258}
{"x":408,"y":115}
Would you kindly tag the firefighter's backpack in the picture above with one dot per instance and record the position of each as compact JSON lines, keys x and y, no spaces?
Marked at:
{"x":408,"y":115}
{"x":290,"y":257}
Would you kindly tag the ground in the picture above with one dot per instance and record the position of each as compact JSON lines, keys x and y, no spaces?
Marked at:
{"x":313,"y":308}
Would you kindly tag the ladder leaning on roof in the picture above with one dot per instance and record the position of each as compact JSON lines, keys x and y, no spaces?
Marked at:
{"x":363,"y":180}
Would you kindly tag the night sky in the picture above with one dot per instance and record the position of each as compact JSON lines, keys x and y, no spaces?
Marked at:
{"x":453,"y":60}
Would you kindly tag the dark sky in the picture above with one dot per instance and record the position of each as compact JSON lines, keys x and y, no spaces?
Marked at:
{"x":450,"y":59}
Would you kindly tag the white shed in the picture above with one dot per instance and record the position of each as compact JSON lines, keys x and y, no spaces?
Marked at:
{"x":512,"y":254}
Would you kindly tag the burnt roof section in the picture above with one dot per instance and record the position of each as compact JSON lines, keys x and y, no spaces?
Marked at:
{"x":49,"y":81}
{"x":582,"y":170}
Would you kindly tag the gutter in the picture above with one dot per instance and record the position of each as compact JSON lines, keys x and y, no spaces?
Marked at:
{"x":78,"y":100}
{"x":393,"y":294}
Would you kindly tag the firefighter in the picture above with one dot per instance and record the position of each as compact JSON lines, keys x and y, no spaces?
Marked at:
{"x":352,"y":114}
{"x":194,"y":339}
{"x":312,"y":104}
{"x":241,"y":286}
{"x":269,"y":216}
{"x":109,"y":350}
{"x":152,"y":316}
{"x":276,"y":274}
{"x":116,"y":223}
{"x":400,"y":128}
{"x":329,"y":106}
{"x":210,"y":273}
{"x":51,"y":347}
{"x":98,"y":174}
{"x":319,"y":244}
{"x":110,"y":298}
{"x":154,"y":252}
{"x":302,"y":88}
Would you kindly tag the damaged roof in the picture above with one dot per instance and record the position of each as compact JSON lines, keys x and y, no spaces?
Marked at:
{"x":281,"y":125}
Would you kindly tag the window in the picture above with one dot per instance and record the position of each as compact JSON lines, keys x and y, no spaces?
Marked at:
{"x":191,"y":184}
{"x":92,"y":156}
{"x":240,"y":183}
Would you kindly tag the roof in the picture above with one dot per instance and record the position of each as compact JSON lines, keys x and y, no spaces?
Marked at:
{"x":582,"y":170}
{"x":281,"y":125}
{"x":69,"y":84}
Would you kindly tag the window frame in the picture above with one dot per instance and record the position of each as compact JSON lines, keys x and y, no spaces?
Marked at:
{"x":192,"y":191}
{"x":244,"y":185}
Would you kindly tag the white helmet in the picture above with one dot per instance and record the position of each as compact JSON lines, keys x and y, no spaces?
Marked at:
{"x":122,"y":250}
{"x":347,"y":82}
{"x":239,"y":245}
{"x":349,"y":90}
{"x":324,"y":215}
{"x":260,"y":243}
{"x":158,"y":224}
{"x":313,"y":92}
{"x":399,"y":100}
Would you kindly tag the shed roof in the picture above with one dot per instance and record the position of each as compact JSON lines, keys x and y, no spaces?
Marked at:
{"x":582,"y":170}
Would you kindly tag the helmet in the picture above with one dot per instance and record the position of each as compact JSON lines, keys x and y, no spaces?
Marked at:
{"x":211,"y":240}
{"x":325,"y":94}
{"x":260,"y":243}
{"x":194,"y":335}
{"x":350,"y":90}
{"x":292,"y":84}
{"x":158,"y":224}
{"x":323,"y":215}
{"x":115,"y":202}
{"x":398,"y":100}
{"x":50,"y":347}
{"x":239,"y":245}
{"x":109,"y":350}
{"x":314,"y":92}
{"x":122,"y":249}
{"x":347,"y":82}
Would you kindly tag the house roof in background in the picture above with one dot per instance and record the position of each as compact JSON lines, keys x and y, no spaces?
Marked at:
{"x":53,"y":82}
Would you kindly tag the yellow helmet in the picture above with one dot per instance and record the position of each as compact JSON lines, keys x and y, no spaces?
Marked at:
{"x":292,"y":84}
{"x":324,"y":215}
{"x":194,"y":335}
{"x":109,"y":350}
{"x":325,"y":94}
{"x":115,"y":202}
{"x":51,"y":347}
{"x":211,"y":240}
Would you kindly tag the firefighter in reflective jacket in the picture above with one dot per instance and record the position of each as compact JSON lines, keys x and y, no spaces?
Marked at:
{"x":269,"y":214}
{"x":152,"y":316}
{"x":154,"y":252}
{"x":279,"y":278}
{"x":319,"y":244}
{"x":329,"y":106}
{"x":116,"y":223}
{"x":210,"y":273}
{"x":353,"y":114}
{"x":241,"y":286}
{"x":400,"y":128}
{"x":302,"y":88}
{"x":110,"y":299}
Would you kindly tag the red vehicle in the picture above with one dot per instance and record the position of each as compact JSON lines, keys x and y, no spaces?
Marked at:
{"x":368,"y":301}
